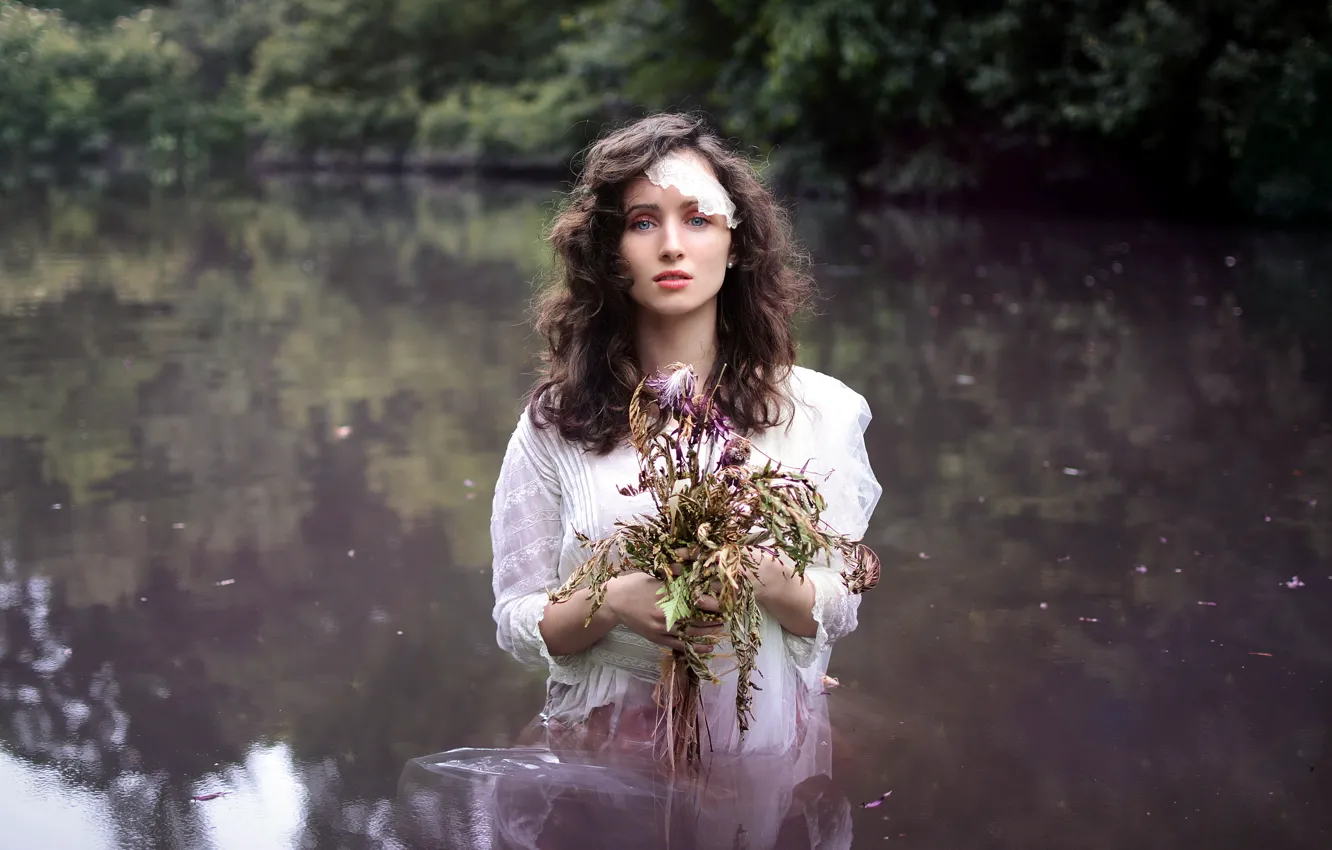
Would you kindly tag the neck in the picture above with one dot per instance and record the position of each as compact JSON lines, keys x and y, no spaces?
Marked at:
{"x":690,"y":339}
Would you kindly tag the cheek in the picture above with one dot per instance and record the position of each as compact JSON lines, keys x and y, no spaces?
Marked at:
{"x":631,"y":255}
{"x":722,"y":245}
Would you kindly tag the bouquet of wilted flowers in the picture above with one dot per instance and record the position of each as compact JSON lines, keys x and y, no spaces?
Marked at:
{"x":729,"y":514}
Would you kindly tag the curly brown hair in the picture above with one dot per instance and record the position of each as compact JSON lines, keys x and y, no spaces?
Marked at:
{"x":590,"y":365}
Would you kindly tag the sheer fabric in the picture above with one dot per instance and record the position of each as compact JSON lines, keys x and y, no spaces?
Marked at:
{"x":601,"y":699}
{"x":536,"y":799}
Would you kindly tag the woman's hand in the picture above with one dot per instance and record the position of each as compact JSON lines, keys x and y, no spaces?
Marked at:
{"x":634,"y":600}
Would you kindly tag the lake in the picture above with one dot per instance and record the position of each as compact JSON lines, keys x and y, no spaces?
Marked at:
{"x":248,"y":441}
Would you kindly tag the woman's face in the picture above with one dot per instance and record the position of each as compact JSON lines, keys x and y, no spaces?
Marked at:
{"x":676,"y":255}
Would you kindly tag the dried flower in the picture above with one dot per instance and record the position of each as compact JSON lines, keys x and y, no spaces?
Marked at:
{"x":735,"y":453}
{"x":713,"y":425}
{"x":863,"y":569}
{"x":674,"y":390}
{"x":732,"y":515}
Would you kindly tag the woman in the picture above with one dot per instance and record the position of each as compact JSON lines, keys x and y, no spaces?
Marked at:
{"x":670,"y":250}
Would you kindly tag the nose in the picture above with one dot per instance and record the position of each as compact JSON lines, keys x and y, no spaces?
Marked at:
{"x":671,"y":246}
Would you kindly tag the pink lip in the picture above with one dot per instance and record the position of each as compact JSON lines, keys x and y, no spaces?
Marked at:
{"x":673,"y":279}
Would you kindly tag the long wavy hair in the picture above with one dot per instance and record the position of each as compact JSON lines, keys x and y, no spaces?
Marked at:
{"x":590,"y":364}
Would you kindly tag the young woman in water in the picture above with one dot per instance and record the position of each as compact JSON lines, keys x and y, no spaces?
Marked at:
{"x":670,"y":249}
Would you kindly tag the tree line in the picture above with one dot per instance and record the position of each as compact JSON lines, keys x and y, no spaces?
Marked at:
{"x":1205,"y":105}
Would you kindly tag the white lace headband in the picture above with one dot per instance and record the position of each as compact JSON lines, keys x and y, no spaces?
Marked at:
{"x":692,"y":180}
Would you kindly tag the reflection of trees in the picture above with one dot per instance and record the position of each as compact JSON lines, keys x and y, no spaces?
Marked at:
{"x":1038,"y":439}
{"x":170,"y":362}
{"x":188,"y":432}
{"x":64,"y":701}
{"x":292,"y":333}
{"x":437,"y":393}
{"x":366,"y":664}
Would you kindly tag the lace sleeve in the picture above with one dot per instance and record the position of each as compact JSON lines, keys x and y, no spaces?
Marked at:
{"x":851,"y":493}
{"x":526,"y":532}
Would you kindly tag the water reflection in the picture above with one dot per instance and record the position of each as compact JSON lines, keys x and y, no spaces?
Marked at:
{"x":247,"y":444}
{"x":43,"y":809}
{"x":260,"y":802}
{"x":533,"y":798}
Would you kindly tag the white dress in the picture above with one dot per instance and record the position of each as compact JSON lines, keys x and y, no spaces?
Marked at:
{"x":602,"y":698}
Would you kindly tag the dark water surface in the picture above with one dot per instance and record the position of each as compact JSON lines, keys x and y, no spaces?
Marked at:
{"x":247,"y":446}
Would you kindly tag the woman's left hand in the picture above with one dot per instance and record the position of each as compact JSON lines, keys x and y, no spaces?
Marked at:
{"x":703,"y":632}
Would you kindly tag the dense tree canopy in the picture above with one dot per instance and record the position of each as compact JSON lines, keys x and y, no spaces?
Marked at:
{"x":1203,"y":104}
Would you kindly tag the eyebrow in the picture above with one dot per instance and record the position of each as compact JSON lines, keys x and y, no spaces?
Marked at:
{"x":689,"y":202}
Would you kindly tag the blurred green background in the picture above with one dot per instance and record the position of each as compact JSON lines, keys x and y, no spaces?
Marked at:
{"x":1202,"y":107}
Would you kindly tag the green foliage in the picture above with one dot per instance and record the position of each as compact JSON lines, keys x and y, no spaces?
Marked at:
{"x":1219,"y":105}
{"x":933,"y":96}
{"x":536,"y":120}
{"x":90,"y":12}
{"x":331,"y":78}
{"x":452,"y":43}
{"x":675,"y":602}
{"x":67,"y":92}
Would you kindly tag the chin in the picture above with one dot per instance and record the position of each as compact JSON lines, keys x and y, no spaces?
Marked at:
{"x":672,"y":309}
{"x":671,"y":304}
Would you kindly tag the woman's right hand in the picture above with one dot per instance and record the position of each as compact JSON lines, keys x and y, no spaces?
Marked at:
{"x":635,"y":601}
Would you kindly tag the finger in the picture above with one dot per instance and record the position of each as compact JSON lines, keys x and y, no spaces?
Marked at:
{"x":685,"y":554}
{"x":705,"y":645}
{"x":707,"y":603}
{"x":703,"y":630}
{"x":673,"y":643}
{"x":706,"y":616}
{"x":707,"y":626}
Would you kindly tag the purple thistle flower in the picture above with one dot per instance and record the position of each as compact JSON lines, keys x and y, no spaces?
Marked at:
{"x":715,"y":425}
{"x":734,"y":453}
{"x":675,"y":390}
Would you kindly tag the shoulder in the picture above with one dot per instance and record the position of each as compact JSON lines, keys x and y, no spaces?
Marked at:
{"x":540,"y":442}
{"x":819,"y":393}
{"x":826,"y":420}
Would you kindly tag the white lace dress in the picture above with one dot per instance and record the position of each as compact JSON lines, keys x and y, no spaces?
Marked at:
{"x":602,"y":697}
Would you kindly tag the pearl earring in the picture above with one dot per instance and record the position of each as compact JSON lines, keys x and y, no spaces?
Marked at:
{"x":730,"y":264}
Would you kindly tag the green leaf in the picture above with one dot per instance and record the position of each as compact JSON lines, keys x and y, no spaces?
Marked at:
{"x":676,"y":602}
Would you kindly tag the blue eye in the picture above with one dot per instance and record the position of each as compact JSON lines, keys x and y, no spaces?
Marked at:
{"x":701,"y":220}
{"x":641,"y":221}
